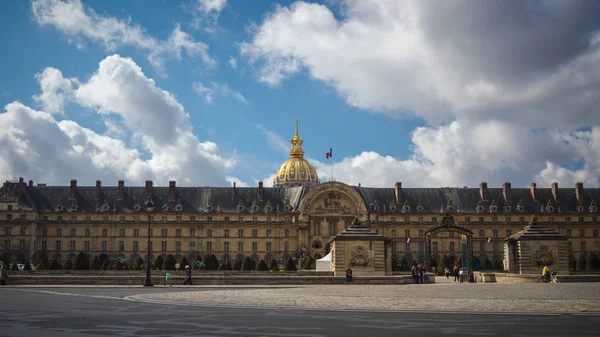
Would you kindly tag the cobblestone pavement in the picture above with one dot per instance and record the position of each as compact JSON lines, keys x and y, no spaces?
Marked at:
{"x":460,"y":297}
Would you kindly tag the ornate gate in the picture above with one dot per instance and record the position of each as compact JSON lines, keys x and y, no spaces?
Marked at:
{"x":448,"y":225}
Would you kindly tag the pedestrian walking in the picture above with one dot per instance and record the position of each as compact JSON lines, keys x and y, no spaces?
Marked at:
{"x":447,"y":272}
{"x":455,"y":272}
{"x":188,"y":275}
{"x":3,"y":275}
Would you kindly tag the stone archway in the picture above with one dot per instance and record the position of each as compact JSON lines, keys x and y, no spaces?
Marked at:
{"x":448,"y":225}
{"x":312,"y":197}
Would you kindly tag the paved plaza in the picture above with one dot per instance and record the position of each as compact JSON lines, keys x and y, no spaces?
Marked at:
{"x":441,"y":297}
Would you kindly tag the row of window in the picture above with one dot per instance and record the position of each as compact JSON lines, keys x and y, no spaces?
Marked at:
{"x":481,"y":219}
{"x":136,"y":218}
{"x":482,"y":245}
{"x":164,"y":232}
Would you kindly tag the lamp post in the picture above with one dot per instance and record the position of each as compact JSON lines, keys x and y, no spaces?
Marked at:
{"x":149,"y":209}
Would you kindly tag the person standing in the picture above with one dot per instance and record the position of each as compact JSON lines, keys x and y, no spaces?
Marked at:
{"x":3,"y":275}
{"x":188,"y":275}
{"x":348,"y":275}
{"x":415,"y":272}
{"x":447,"y":272}
{"x":455,"y":272}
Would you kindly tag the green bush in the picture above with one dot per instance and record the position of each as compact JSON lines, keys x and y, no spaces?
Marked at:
{"x":318,"y":256}
{"x":138,"y":264}
{"x":169,"y":263}
{"x":444,"y":263}
{"x":96,"y":264}
{"x":67,"y":265}
{"x":27,"y":266}
{"x":105,"y":264}
{"x":158,"y":262}
{"x":228,"y":266}
{"x":215,"y":261}
{"x":55,"y":265}
{"x":248,"y":264}
{"x":46,"y":263}
{"x":309,"y":263}
{"x":274,"y":266}
{"x":209,"y":263}
{"x":488,"y":264}
{"x":237,"y":265}
{"x":81,"y":262}
{"x":14,"y":267}
{"x":102,"y":257}
{"x":581,"y":263}
{"x":262,"y":266}
{"x":593,"y":263}
{"x":290,"y":265}
{"x":184,"y":262}
{"x":39,"y":267}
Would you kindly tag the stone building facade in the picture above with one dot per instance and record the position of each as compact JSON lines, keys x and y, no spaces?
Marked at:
{"x":297,"y":217}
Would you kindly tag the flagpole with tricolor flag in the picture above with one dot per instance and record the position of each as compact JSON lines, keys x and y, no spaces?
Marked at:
{"x":328,"y":156}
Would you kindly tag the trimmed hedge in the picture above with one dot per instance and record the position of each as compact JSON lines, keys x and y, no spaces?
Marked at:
{"x":158,"y":262}
{"x":27,"y":266}
{"x":498,"y":265}
{"x":262,"y":266}
{"x":290,"y":265}
{"x":96,"y":264}
{"x":248,"y":264}
{"x":228,"y":266}
{"x":81,"y":262}
{"x":274,"y":266}
{"x":237,"y":265}
{"x":39,"y":267}
{"x":68,"y":265}
{"x":184,"y":262}
{"x":55,"y":266}
{"x":45,"y":263}
{"x":105,"y":265}
{"x":169,"y":263}
{"x":444,"y":263}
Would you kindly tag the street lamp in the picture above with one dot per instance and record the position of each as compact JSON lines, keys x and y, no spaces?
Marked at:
{"x":149,"y":209}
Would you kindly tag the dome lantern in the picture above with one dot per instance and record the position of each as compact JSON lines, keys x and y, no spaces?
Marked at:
{"x":296,"y":171}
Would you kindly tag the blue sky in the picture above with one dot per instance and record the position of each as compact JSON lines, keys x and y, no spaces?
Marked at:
{"x":422,"y":109}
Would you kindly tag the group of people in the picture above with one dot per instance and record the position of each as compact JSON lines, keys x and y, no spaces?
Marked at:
{"x":456,"y":272}
{"x":419,"y":273}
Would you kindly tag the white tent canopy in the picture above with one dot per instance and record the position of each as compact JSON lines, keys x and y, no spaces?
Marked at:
{"x":324,"y":264}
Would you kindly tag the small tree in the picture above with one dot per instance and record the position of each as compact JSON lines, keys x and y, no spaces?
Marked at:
{"x":139,"y":264}
{"x":102,"y":257}
{"x":318,"y":256}
{"x":81,"y":262}
{"x":309,"y":263}
{"x":158,"y":262}
{"x":215,"y":261}
{"x":274,"y":266}
{"x":105,"y":264}
{"x":45,"y":263}
{"x":27,"y":266}
{"x":498,"y":265}
{"x":444,"y":263}
{"x":169,"y":263}
{"x":592,"y":262}
{"x":262,"y":266}
{"x":237,"y":265}
{"x":248,"y":264}
{"x":228,"y":266}
{"x":184,"y":262}
{"x":14,"y":267}
{"x":581,"y":263}
{"x":67,"y":265}
{"x":208,"y":262}
{"x":55,"y":265}
{"x":290,"y":265}
{"x":96,"y":264}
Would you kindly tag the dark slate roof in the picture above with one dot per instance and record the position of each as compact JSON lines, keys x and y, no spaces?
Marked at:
{"x":378,"y":200}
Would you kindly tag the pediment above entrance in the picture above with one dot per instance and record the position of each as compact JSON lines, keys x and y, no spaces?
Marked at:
{"x":333,"y":198}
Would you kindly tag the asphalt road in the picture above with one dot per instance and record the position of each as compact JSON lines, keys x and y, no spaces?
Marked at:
{"x":104,"y":312}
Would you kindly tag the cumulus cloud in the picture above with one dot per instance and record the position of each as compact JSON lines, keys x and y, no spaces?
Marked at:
{"x":519,"y":61}
{"x":213,"y":89}
{"x":82,"y":23}
{"x":56,"y":90}
{"x":44,"y":149}
{"x":206,"y":14}
{"x":232,"y":62}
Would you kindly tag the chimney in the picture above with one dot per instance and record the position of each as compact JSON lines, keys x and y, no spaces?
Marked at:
{"x":20,"y":186}
{"x":234,"y":190}
{"x":506,"y":190}
{"x":579,"y":191}
{"x":98,"y":189}
{"x":30,"y":183}
{"x":148,"y":189}
{"x":73,"y":189}
{"x":121,"y":190}
{"x":483,"y":191}
{"x":261,"y":191}
{"x":533,"y":191}
{"x":172,"y":190}
{"x":555,"y":191}
{"x":398,"y":192}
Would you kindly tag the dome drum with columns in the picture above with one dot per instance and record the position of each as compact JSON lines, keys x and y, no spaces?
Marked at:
{"x":296,"y":171}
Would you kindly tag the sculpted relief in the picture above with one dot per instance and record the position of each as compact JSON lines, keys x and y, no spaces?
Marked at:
{"x":359,"y":257}
{"x":333,"y":203}
{"x":544,"y":256}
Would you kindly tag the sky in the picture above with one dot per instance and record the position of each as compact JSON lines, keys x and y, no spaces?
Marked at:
{"x":206,"y":92}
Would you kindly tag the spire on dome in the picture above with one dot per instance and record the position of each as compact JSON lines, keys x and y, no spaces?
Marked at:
{"x":297,"y":150}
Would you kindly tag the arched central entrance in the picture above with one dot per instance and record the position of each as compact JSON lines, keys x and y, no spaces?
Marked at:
{"x":448,"y":225}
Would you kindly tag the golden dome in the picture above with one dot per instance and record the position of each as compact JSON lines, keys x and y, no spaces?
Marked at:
{"x":296,"y":171}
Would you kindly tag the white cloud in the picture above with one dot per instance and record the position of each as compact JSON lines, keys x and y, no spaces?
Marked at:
{"x":44,"y":149}
{"x":485,"y":60}
{"x":232,"y":62}
{"x":274,"y":141}
{"x":238,"y":182}
{"x":206,"y":14}
{"x":81,"y":23}
{"x":209,"y":92}
{"x":56,"y":90}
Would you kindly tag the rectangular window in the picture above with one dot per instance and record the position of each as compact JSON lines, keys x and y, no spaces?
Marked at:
{"x":58,"y":232}
{"x":508,"y":232}
{"x":136,"y":232}
{"x":226,"y":247}
{"x":316,"y":228}
{"x":468,"y":219}
{"x":286,"y":233}
{"x":23,"y":230}
{"x":105,"y":232}
{"x":583,"y":246}
{"x":582,"y":233}
{"x":121,"y":246}
{"x":192,"y":246}
{"x":105,"y":219}
{"x":406,"y":219}
{"x":240,"y":233}
{"x":331,"y":225}
{"x":393,"y":219}
{"x":44,"y":246}
{"x":209,"y":219}
{"x":73,"y":243}
{"x":73,"y":232}
{"x":136,"y":246}
{"x":44,"y":231}
{"x":581,"y":220}
{"x":435,"y":247}
{"x":254,"y":247}
{"x":481,"y":233}
{"x":209,"y":233}
{"x":268,"y":233}
{"x":254,"y":219}
{"x":269,"y":219}
{"x":595,"y":233}
{"x":226,"y":233}
{"x":192,"y":219}
{"x":122,"y":218}
{"x":103,"y":246}
{"x":178,"y":246}
{"x":407,"y":233}
{"x":136,"y":218}
{"x":178,"y":218}
{"x":240,"y":219}
{"x":164,"y":219}
{"x":59,"y":218}
{"x":394,"y":247}
{"x":269,"y":246}
{"x":568,"y":219}
{"x":86,"y":245}
{"x":122,"y":232}
{"x":551,"y":219}
{"x":570,"y":247}
{"x":178,"y":233}
{"x":163,"y":246}
{"x":434,"y":219}
{"x":286,"y":246}
{"x":8,"y":231}
{"x":192,"y":232}
{"x":240,"y":247}
{"x":163,"y":233}
{"x":226,"y":219}
{"x":58,"y":245}
{"x":495,"y":233}
{"x":7,"y":244}
{"x":87,"y":232}
{"x":494,"y":220}
{"x":45,"y":218}
{"x":9,"y":217}
{"x":507,"y":219}
{"x":568,"y":233}
{"x":73,"y":218}
{"x":21,"y":245}
{"x":208,"y":247}
{"x":451,"y":234}
{"x":480,"y":219}
{"x":420,"y":219}
{"x":452,"y":246}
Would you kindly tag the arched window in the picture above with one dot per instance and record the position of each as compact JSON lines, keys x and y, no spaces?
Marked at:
{"x":241,"y":233}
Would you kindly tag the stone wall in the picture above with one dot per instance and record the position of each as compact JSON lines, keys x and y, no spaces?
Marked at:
{"x":343,"y":252}
{"x":531,"y":256}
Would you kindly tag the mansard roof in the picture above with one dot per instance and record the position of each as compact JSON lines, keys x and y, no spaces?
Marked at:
{"x":377,"y":200}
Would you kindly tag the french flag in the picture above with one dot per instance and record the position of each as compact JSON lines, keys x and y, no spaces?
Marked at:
{"x":489,"y":240}
{"x":408,"y":240}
